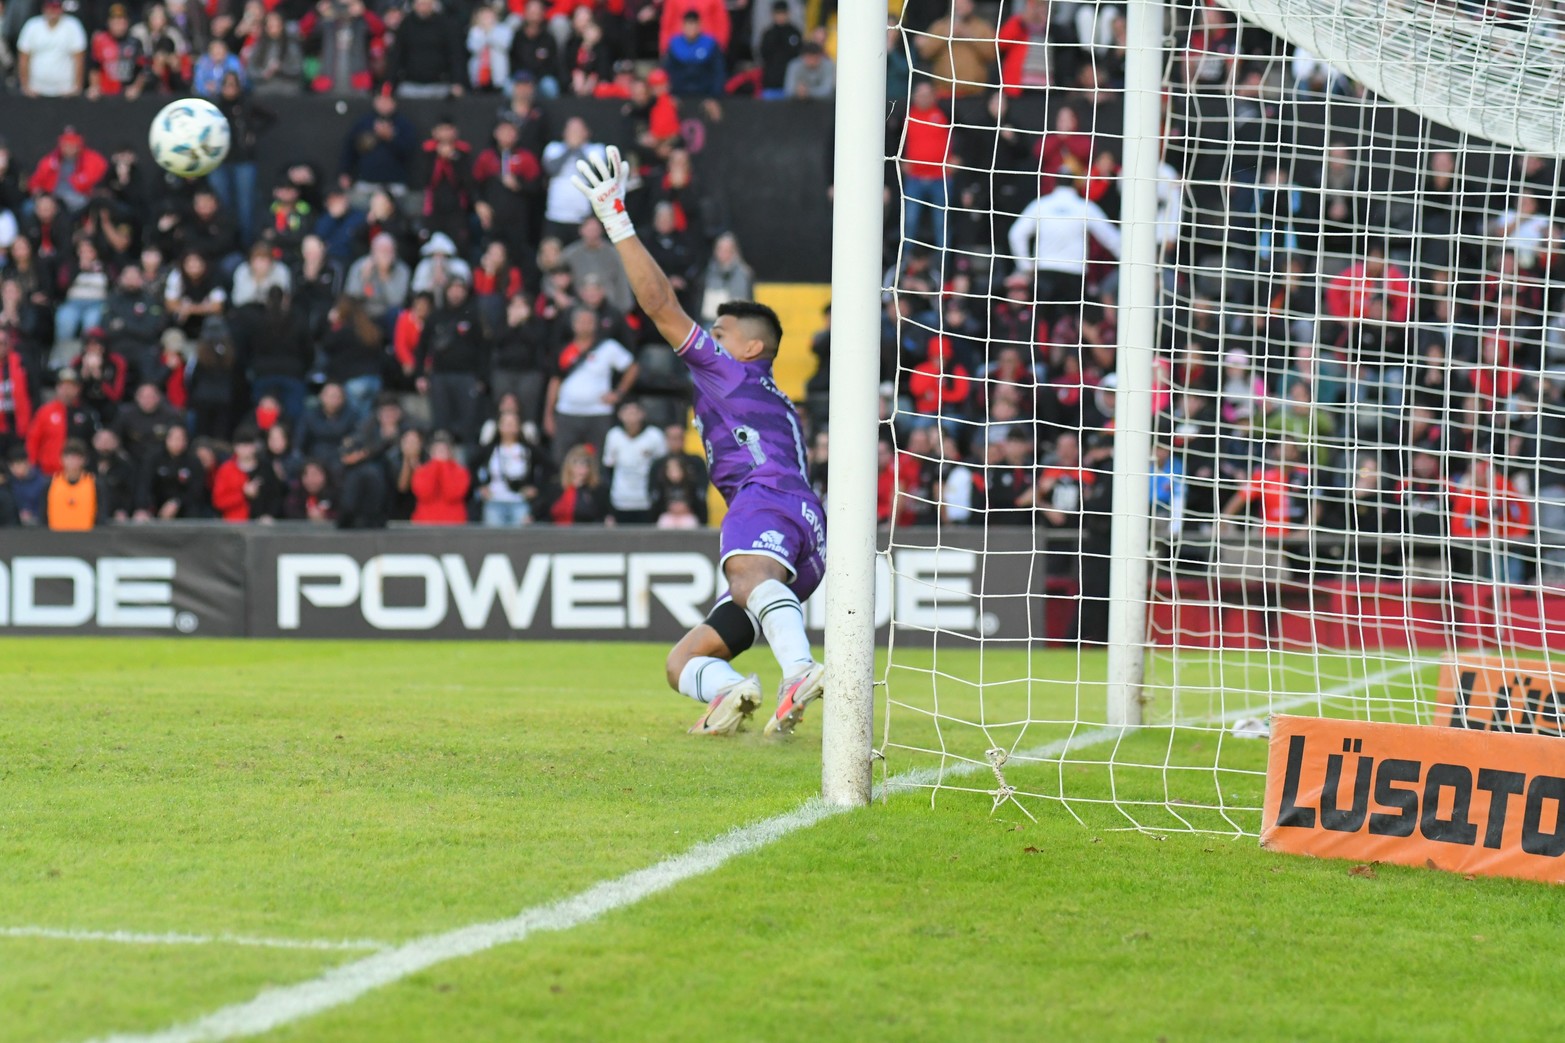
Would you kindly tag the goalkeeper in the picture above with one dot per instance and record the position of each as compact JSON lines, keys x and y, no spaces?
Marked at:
{"x":773,"y":541}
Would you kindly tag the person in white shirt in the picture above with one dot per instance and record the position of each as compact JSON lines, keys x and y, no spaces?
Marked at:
{"x":629,"y":452}
{"x":53,"y":54}
{"x":1050,"y":242}
{"x":564,"y":209}
{"x":506,"y":479}
{"x":579,"y":403}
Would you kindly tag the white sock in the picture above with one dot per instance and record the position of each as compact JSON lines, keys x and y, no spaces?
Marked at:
{"x":704,"y":676}
{"x":782,"y":621}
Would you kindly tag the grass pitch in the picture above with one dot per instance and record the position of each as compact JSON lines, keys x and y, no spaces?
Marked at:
{"x":321,"y":791}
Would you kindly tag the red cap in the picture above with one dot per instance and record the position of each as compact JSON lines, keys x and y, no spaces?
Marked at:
{"x":657,"y":78}
{"x":95,"y":333}
{"x":51,"y":3}
{"x":68,"y":136}
{"x":385,"y":90}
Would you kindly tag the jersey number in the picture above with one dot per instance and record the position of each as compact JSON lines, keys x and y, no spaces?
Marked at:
{"x":750,"y":439}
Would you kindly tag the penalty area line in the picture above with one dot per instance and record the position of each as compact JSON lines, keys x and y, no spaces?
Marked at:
{"x":275,"y":1007}
{"x":143,"y":938}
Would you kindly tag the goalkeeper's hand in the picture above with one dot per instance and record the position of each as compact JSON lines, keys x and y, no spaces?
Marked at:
{"x":604,"y":187}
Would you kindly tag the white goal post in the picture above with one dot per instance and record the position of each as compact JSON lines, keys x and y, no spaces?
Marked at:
{"x":1219,"y":371}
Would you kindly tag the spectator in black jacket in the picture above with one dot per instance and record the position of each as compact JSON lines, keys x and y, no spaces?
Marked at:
{"x":143,"y":423}
{"x":280,"y":354}
{"x":670,"y":248}
{"x":427,"y":60}
{"x":453,"y":351}
{"x":362,"y":502}
{"x":133,"y":320}
{"x":355,"y":355}
{"x":115,"y":476}
{"x":171,"y":483}
{"x":210,"y":231}
{"x":780,"y":44}
{"x":445,"y":174}
{"x":521,"y":359}
{"x":378,"y":151}
{"x":234,"y":181}
{"x":534,"y":50}
{"x":325,"y":424}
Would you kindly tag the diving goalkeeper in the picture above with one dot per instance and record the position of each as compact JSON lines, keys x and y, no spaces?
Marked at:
{"x":773,"y":542}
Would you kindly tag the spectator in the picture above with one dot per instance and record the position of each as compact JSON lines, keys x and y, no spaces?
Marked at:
{"x":455,"y":354}
{"x":446,"y":176}
{"x":677,"y":513}
{"x":168,"y":374}
{"x":593,"y":256}
{"x":194,"y":294}
{"x":535,"y":52}
{"x":234,"y":180}
{"x":940,"y":388}
{"x":70,"y":172}
{"x":926,"y":162}
{"x":521,"y":358}
{"x":215,"y":65}
{"x":84,"y":283}
{"x":694,"y":61}
{"x":1049,"y":242}
{"x":379,"y":280}
{"x":28,"y":485}
{"x":676,"y":480}
{"x":280,"y":355}
{"x":426,"y":60}
{"x":523,"y":113}
{"x":258,"y":277}
{"x":274,"y":60}
{"x":440,"y":266}
{"x":134,"y":320}
{"x":362,"y":504}
{"x":103,"y":374}
{"x":213,"y":383}
{"x":72,"y":502}
{"x":727,"y":278}
{"x":171,"y":483}
{"x":959,"y":51}
{"x":355,"y":355}
{"x":243,"y":489}
{"x":489,"y":51}
{"x":577,"y":497}
{"x":581,"y":398}
{"x":378,"y":151}
{"x":779,"y":45}
{"x":507,"y":179}
{"x":629,"y":451}
{"x":1491,"y":519}
{"x":506,"y":474}
{"x":589,"y":61}
{"x":191,"y":20}
{"x":114,"y":476}
{"x":711,"y":15}
{"x":340,"y":226}
{"x":117,"y":59}
{"x":440,"y":486}
{"x":167,"y":48}
{"x":402,"y":465}
{"x":564,"y":207}
{"x":52,"y":54}
{"x":324,"y":424}
{"x":811,"y":75}
{"x":1371,"y":288}
{"x":348,"y":35}
{"x":311,"y":498}
{"x":670,"y":248}
{"x":62,"y":420}
{"x":16,"y":402}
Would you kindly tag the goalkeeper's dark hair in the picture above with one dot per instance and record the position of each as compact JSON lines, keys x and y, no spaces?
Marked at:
{"x":760,"y":313}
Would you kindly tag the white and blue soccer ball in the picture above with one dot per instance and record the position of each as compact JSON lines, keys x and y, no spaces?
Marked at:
{"x":189,"y":138}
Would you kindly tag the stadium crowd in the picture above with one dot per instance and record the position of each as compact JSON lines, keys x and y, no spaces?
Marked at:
{"x":439,"y":325}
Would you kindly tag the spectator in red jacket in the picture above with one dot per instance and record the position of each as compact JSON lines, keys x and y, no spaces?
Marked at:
{"x":16,"y":403}
{"x":440,"y":486}
{"x":243,"y":487}
{"x":1024,"y":49}
{"x":103,"y":375}
{"x":69,"y":172}
{"x":1371,"y":288}
{"x":926,"y":159}
{"x":940,"y":386}
{"x":58,"y":422}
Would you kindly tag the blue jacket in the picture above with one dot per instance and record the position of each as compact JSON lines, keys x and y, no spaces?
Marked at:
{"x":341,"y":234}
{"x":366,"y":157}
{"x":695,"y":67}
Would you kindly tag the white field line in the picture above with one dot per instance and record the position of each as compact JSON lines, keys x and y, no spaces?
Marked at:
{"x":275,"y":1007}
{"x":140,"y":938}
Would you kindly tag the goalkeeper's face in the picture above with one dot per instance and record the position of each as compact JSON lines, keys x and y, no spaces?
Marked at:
{"x":738,"y":337}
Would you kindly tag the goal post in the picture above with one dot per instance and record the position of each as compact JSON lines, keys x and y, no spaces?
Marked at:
{"x":853,"y":417}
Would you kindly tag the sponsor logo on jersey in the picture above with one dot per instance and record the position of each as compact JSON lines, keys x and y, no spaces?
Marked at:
{"x":771,"y":540}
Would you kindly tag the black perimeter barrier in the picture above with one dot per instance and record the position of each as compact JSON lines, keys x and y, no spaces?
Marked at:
{"x":765,"y":163}
{"x":599,"y":584}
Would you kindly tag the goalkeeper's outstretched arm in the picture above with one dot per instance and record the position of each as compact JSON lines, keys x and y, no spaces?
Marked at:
{"x":604,"y":186}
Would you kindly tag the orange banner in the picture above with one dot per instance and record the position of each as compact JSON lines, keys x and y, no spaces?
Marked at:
{"x":1490,"y":694}
{"x":1447,"y":798}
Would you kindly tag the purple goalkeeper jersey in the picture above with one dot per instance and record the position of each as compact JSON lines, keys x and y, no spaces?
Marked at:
{"x":749,"y":425}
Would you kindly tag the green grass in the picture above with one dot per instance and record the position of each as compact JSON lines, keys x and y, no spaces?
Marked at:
{"x":329,"y":790}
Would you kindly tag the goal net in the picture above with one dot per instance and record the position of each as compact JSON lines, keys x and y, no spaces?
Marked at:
{"x":1356,"y":408}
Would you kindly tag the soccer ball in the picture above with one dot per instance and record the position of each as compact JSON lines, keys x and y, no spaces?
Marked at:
{"x":189,"y":138}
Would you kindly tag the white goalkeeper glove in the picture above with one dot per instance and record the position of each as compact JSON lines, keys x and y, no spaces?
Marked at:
{"x":604,"y":187}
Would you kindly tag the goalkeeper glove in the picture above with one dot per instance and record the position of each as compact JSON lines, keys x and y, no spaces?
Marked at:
{"x":604,"y":187}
